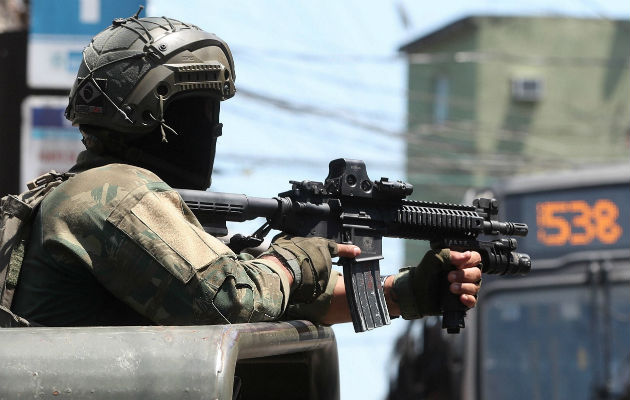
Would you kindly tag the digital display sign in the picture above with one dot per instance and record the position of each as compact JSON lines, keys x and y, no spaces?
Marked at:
{"x":570,"y":220}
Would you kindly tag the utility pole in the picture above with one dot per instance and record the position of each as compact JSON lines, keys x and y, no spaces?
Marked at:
{"x":13,"y":39}
{"x":14,"y":30}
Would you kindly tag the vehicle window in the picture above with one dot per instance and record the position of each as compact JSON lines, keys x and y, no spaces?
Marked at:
{"x":564,"y":343}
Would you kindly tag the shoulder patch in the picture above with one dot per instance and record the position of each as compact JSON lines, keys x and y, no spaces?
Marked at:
{"x":157,"y":223}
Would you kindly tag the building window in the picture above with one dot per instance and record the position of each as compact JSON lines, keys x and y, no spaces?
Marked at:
{"x":440,"y":100}
{"x":527,"y":89}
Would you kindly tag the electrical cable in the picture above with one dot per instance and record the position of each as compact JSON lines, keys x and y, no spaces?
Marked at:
{"x":477,"y":57}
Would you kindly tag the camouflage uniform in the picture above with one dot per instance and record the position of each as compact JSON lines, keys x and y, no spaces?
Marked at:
{"x":116,"y":245}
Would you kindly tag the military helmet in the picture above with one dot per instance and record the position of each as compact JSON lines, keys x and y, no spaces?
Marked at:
{"x":133,"y":69}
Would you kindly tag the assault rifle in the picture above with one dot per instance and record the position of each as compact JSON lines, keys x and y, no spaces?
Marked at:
{"x":348,"y":207}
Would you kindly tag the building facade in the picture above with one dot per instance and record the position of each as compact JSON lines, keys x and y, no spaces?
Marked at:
{"x":491,"y":97}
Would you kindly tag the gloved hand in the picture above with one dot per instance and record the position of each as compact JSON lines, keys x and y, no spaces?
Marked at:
{"x":417,"y":290}
{"x":310,"y":262}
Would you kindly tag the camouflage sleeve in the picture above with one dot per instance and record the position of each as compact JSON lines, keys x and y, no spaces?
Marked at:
{"x":169,"y":269}
{"x":136,"y":236}
{"x":316,"y":310}
{"x":145,"y":246}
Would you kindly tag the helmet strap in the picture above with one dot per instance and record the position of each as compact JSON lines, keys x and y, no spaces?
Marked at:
{"x":160,"y":119}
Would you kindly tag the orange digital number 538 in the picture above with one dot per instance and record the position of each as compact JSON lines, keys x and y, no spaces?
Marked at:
{"x":577,"y":223}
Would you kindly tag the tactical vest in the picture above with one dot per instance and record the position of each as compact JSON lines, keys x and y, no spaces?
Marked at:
{"x":16,"y":217}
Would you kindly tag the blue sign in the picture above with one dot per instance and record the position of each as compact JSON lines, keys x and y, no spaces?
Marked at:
{"x":49,"y":141}
{"x":78,"y":17}
{"x":60,"y":30}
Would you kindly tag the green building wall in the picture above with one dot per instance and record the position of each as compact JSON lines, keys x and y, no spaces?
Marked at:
{"x":432,"y":145}
{"x":582,"y":117}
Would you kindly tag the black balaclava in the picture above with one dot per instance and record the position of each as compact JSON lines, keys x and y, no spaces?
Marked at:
{"x":185,"y":160}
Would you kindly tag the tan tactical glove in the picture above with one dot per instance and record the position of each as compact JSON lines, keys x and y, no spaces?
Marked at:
{"x":417,"y":290}
{"x":309,"y":260}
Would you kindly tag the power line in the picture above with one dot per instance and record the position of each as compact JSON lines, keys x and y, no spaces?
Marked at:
{"x":463,"y":125}
{"x":337,"y":58}
{"x":478,"y":57}
{"x":308,"y":162}
{"x":469,"y":103}
{"x":308,"y":109}
{"x":459,"y":102}
{"x":448,"y":139}
{"x":481,"y":57}
{"x":434,"y":167}
{"x":346,"y":79}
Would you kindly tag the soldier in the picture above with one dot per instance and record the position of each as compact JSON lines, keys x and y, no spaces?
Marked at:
{"x":116,"y":245}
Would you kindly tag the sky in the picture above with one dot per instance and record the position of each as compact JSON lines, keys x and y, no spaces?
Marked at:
{"x":319,"y":80}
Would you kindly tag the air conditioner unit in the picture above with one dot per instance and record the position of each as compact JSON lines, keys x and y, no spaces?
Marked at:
{"x":527,"y":89}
